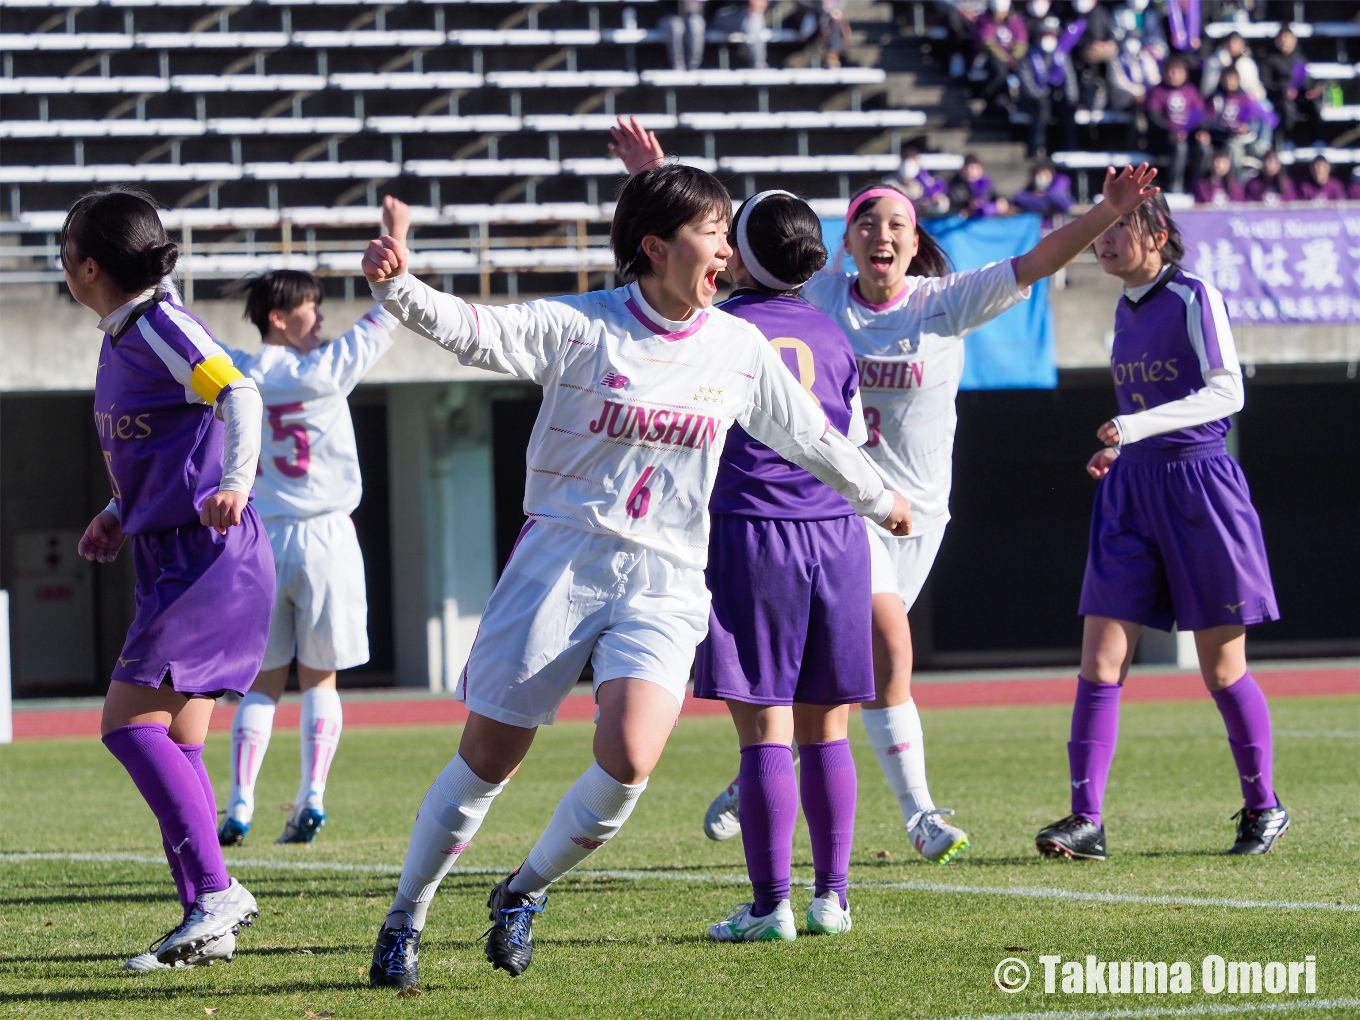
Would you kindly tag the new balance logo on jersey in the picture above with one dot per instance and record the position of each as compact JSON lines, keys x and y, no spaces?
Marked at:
{"x":891,"y":375}
{"x":656,"y":425}
{"x":587,"y":842}
{"x":614,"y":382}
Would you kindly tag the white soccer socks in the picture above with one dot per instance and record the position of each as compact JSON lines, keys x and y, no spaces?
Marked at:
{"x":449,"y":817}
{"x":250,"y":731}
{"x":319,"y":731}
{"x":592,"y":811}
{"x":895,"y":735}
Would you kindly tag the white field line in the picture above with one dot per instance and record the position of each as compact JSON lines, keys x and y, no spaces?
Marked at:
{"x":711,"y":878}
{"x":1209,"y":1009}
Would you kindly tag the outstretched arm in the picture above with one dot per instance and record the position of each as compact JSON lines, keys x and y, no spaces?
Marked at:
{"x":1124,"y":192}
{"x":636,"y":146}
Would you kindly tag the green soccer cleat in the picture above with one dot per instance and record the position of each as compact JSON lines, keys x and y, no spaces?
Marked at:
{"x":825,"y":916}
{"x":741,"y":926}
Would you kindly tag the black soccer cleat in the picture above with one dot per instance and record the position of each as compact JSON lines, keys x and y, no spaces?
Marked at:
{"x":1258,"y":830}
{"x":1075,"y":836}
{"x":396,"y":958}
{"x":510,"y":940}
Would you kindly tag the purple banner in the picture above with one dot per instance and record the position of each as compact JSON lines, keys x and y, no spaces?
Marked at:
{"x":1288,"y":264}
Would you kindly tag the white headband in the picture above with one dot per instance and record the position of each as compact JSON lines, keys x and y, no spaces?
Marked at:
{"x":748,"y":258}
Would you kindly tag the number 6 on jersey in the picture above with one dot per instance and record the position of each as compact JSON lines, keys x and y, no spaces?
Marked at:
{"x":641,"y":496}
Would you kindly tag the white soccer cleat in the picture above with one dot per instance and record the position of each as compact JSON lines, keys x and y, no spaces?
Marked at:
{"x":936,"y":841}
{"x":825,"y":916}
{"x":220,"y":949}
{"x":740,"y":926}
{"x":720,"y":820}
{"x":144,"y":962}
{"x":216,"y":916}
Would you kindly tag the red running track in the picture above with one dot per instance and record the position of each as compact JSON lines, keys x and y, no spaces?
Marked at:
{"x":398,"y":711}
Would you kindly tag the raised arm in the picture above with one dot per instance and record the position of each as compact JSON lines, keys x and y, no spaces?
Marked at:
{"x":1124,"y":192}
{"x":784,"y":418}
{"x":519,"y":340}
{"x":635,"y":146}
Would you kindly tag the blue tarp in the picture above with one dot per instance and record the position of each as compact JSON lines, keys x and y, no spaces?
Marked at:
{"x":1015,"y":350}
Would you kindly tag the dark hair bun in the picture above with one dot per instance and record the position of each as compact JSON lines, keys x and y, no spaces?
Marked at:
{"x":121,"y":231}
{"x":784,"y":236}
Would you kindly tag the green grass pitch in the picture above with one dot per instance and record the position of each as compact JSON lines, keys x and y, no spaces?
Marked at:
{"x":635,"y":944}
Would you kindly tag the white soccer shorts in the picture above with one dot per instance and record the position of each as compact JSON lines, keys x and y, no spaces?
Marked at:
{"x":321,"y":607}
{"x":900,"y":565}
{"x":569,"y":596}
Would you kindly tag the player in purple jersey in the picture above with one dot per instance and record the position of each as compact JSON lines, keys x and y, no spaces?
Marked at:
{"x":180,"y":431}
{"x":789,"y":643}
{"x":1174,"y":536}
{"x":906,"y":315}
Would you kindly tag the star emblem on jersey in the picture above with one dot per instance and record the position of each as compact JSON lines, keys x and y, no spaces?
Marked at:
{"x":708,"y":395}
{"x":614,"y":381}
{"x":909,"y":345}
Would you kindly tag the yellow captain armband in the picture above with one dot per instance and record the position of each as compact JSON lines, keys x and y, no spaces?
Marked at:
{"x":211,"y":376}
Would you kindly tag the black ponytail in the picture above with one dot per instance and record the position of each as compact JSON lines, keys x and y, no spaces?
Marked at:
{"x":121,"y":230}
{"x":784,"y":236}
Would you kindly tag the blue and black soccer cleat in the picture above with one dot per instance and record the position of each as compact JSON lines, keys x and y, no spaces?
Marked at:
{"x":396,"y":958}
{"x":231,"y":832}
{"x":510,"y":940}
{"x":303,"y":826}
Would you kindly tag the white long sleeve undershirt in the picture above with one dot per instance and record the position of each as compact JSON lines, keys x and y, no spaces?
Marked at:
{"x":1221,"y":396}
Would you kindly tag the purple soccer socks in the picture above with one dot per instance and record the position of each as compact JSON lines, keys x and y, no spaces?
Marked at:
{"x":829,"y":788}
{"x":767,"y":811}
{"x":171,"y":785}
{"x":1095,"y":731}
{"x":1247,"y":717}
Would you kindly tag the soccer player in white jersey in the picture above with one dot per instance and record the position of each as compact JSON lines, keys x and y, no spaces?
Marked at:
{"x":906,"y":315}
{"x":640,"y":386}
{"x":308,"y":486}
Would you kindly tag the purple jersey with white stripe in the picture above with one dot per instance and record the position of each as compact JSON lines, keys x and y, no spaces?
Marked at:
{"x":1163,"y":343}
{"x":753,"y":480}
{"x":158,"y":382}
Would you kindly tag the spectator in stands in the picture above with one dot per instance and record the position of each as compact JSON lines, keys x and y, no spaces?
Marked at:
{"x":928,"y":193}
{"x":832,"y":26}
{"x":1094,"y":49}
{"x":748,"y":21}
{"x":1001,"y":43}
{"x":1182,"y":24}
{"x":1219,"y":186}
{"x":1048,"y":193}
{"x":960,"y":16}
{"x":1320,"y":185}
{"x":1284,"y":75}
{"x":1132,"y":74}
{"x":1138,"y":19}
{"x":1239,"y":121}
{"x":1037,"y":13}
{"x":1175,"y":111}
{"x":1048,"y":88}
{"x":1272,"y":185}
{"x":1233,"y":53}
{"x":971,"y":193}
{"x":683,"y":31}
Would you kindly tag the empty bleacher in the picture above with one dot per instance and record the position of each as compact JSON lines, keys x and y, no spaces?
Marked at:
{"x":244,"y":114}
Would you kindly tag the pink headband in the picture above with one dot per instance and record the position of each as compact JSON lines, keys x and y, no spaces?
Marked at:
{"x":876,"y":193}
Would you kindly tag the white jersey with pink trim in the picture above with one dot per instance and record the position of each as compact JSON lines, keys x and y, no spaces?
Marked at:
{"x":636,"y":407}
{"x":910,"y":354}
{"x":309,"y":461}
